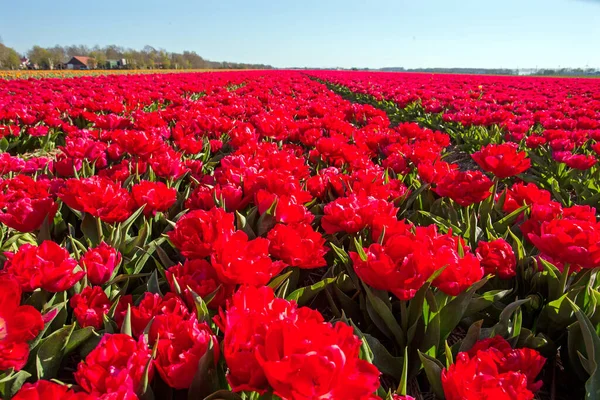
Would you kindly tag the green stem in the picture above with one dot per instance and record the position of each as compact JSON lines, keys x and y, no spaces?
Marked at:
{"x":99,"y":229}
{"x":404,"y":316}
{"x":563,"y":280}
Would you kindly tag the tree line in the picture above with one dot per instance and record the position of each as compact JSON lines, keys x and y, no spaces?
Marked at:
{"x":146,"y":58}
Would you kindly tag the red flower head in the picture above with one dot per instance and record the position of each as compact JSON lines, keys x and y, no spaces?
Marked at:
{"x":199,"y":276}
{"x":401,"y":265}
{"x":99,"y":197}
{"x":479,"y":378}
{"x":203,"y":197}
{"x":25,"y":203}
{"x":90,"y":306}
{"x":181,"y":344}
{"x":100,"y":262}
{"x":459,"y":272}
{"x":526,"y":361}
{"x":155,"y":196}
{"x":48,"y":266}
{"x":353,"y":213}
{"x":539,"y":214}
{"x":287,"y":209}
{"x":18,"y":325}
{"x":569,"y":241}
{"x":465,"y":188}
{"x":298,"y":245}
{"x":238,"y":260}
{"x":498,"y":258}
{"x":435,"y":172}
{"x":197,"y":231}
{"x":152,"y":305}
{"x":117,"y":364}
{"x":245,"y":325}
{"x":502,"y":160}
{"x":47,"y":390}
{"x":521,"y":194}
{"x":581,"y":162}
{"x":313,"y":359}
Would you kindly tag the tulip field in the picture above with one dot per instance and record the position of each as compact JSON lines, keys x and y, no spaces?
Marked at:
{"x":299,"y":235}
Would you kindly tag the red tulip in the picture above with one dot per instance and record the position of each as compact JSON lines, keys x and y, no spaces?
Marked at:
{"x":465,"y":188}
{"x":569,"y":241}
{"x":47,"y":390}
{"x":502,"y":160}
{"x":154,"y":196}
{"x":116,"y":364}
{"x":100,"y":263}
{"x":197,"y":231}
{"x":180,"y":344}
{"x":18,"y":325}
{"x":99,"y":197}
{"x":48,"y":266}
{"x":297,"y":245}
{"x":238,"y":260}
{"x":498,"y":258}
{"x":25,"y":203}
{"x":200,"y":277}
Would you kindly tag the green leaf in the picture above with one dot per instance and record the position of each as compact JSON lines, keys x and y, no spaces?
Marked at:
{"x":481,"y":302}
{"x":501,"y":327}
{"x":453,"y":312}
{"x":380,"y":356}
{"x":153,"y":285}
{"x":44,"y":232}
{"x":503,"y":224}
{"x":433,"y":369}
{"x":144,"y":389}
{"x":385,"y":313}
{"x":243,"y":225}
{"x":126,"y":327}
{"x":201,"y":308}
{"x":124,"y":226}
{"x":3,"y":144}
{"x":205,"y":379}
{"x":304,"y":294}
{"x":472,"y":336}
{"x":164,"y":258}
{"x":267,"y":220}
{"x":89,"y":229}
{"x":592,"y":345}
{"x":360,"y":250}
{"x":55,"y":310}
{"x":341,"y":253}
{"x":404,"y":379}
{"x":79,"y":337}
{"x":15,"y":383}
{"x":278,"y":280}
{"x":224,"y":395}
{"x":448,"y":353}
{"x":520,"y":248}
{"x":49,"y":355}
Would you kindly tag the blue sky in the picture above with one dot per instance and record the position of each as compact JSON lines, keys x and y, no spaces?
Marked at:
{"x":313,"y":33}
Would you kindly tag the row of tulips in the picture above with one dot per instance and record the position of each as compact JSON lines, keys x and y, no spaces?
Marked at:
{"x":254,"y":235}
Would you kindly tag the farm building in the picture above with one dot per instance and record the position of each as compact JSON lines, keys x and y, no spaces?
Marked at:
{"x":116,"y":64}
{"x":80,"y":62}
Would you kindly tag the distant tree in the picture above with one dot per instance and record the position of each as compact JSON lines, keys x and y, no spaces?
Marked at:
{"x":40,"y":57}
{"x":9,"y":58}
{"x":99,"y":57}
{"x":113,"y":52}
{"x":57,"y":55}
{"x":164,"y":59}
{"x":148,"y":57}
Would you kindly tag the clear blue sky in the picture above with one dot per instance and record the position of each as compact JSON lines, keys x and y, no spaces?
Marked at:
{"x":322,"y":33}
